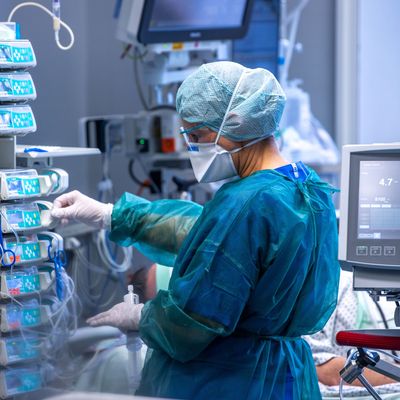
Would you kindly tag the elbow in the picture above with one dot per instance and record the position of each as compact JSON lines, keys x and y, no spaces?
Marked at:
{"x":329,"y":372}
{"x":332,"y":380}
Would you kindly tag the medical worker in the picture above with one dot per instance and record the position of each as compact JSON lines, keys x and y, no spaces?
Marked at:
{"x":253,"y":270}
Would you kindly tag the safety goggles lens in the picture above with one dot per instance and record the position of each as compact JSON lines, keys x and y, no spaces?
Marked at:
{"x":186,"y":132}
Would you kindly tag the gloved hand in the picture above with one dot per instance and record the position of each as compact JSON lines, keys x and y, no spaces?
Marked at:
{"x":124,"y":316}
{"x":76,"y":206}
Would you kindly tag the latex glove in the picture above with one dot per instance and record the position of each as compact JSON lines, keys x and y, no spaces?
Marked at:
{"x":125,"y":316}
{"x":76,"y":206}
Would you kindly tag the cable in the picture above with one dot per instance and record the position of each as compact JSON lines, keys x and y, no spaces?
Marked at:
{"x":62,"y":280}
{"x":106,"y":194}
{"x":105,"y":186}
{"x":341,"y":389}
{"x":146,"y":184}
{"x":107,"y":257}
{"x":59,"y":260}
{"x":298,"y":9}
{"x":88,"y":264}
{"x":138,"y":83}
{"x":151,"y":181}
{"x":125,"y":52}
{"x":62,"y":315}
{"x":8,"y":251}
{"x":84,"y":281}
{"x":57,"y":22}
{"x":83,"y":287}
{"x":133,"y":176}
{"x":395,"y":357}
{"x":11,"y":297}
{"x":98,"y":356}
{"x":12,"y":256}
{"x":293,"y":18}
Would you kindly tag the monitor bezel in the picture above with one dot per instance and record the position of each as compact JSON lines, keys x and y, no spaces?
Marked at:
{"x":146,"y":36}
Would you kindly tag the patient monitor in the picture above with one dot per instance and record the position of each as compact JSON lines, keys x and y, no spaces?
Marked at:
{"x":168,"y":21}
{"x":369,"y":233}
{"x":173,"y":37}
{"x":369,"y":246}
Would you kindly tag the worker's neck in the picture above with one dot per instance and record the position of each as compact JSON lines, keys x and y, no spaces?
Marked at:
{"x":261,"y":156}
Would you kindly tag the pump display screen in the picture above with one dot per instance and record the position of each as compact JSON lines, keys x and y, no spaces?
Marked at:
{"x":23,"y":218}
{"x":379,"y":200}
{"x":15,"y":217}
{"x":192,"y":14}
{"x":5,"y":119}
{"x":5,"y":86}
{"x":15,"y":185}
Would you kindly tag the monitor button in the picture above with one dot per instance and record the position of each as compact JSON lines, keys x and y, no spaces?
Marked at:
{"x":362,"y":250}
{"x":389,"y":250}
{"x":375,"y":251}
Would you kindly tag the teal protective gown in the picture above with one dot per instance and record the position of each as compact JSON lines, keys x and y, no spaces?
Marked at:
{"x":255,"y":269}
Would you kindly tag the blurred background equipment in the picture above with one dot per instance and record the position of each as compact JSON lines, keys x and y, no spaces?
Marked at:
{"x":38,"y":306}
{"x":119,"y":78}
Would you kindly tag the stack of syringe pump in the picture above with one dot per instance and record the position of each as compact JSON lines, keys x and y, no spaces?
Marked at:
{"x":33,"y":283}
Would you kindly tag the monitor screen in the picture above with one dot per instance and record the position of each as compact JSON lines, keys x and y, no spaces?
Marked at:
{"x":379,"y":200}
{"x":175,"y":15}
{"x":166,"y":21}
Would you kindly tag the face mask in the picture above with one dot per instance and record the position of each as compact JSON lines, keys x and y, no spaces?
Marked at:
{"x":211,"y":162}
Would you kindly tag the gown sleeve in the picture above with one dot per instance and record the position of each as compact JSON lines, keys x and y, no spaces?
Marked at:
{"x":157,"y":229}
{"x":209,"y":288}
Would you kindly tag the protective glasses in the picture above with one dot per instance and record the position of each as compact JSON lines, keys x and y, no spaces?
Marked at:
{"x":186,"y":132}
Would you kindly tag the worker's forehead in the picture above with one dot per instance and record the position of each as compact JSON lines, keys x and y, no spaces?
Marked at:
{"x":187,"y":124}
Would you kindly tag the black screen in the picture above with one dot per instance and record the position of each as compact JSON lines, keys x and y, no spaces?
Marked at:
{"x":167,"y":21}
{"x":194,"y":14}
